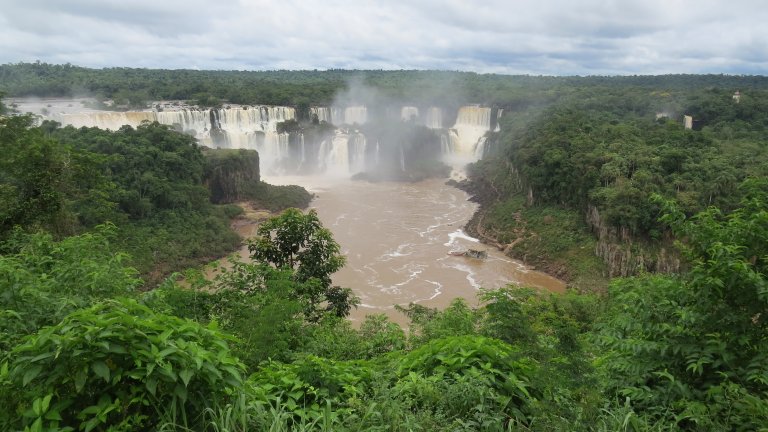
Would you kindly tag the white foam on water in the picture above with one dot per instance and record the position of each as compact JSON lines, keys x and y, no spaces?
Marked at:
{"x":459,"y":234}
{"x":400,"y":251}
{"x":367,"y":306}
{"x":466,"y":269}
{"x":438,"y":290}
{"x":340,"y":218}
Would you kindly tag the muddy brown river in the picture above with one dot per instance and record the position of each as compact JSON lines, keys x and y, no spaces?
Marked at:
{"x":397,"y":238}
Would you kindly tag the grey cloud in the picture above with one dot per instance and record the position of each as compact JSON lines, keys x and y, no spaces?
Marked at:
{"x":537,"y":37}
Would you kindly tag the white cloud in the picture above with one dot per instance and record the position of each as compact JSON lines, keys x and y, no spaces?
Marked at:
{"x":538,"y":37}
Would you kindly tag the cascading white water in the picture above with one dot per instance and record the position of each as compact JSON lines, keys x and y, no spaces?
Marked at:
{"x":197,"y":122}
{"x":105,"y":119}
{"x":480,"y":148}
{"x":499,"y":113}
{"x":241,"y":125}
{"x":357,"y":151}
{"x":336,"y":160}
{"x":345,"y":154}
{"x":323,"y":113}
{"x":445,"y":145}
{"x":409,"y":113}
{"x":434,"y":118}
{"x":349,"y":115}
{"x":273,"y":149}
{"x":255,"y":127}
{"x":303,"y":152}
{"x":238,"y":127}
{"x":472,"y":123}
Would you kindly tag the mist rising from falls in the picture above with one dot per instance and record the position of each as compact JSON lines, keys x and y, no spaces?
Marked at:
{"x":434,"y":118}
{"x":409,"y":113}
{"x":349,"y":115}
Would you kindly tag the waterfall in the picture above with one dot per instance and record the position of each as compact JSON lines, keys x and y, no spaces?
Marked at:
{"x":499,"y":113}
{"x":255,"y":127}
{"x":237,"y":123}
{"x":434,"y":118}
{"x":445,"y":144}
{"x":274,"y":150}
{"x":480,"y":148}
{"x":322,"y":155}
{"x":471,"y":125}
{"x":349,"y":115}
{"x":303,"y":152}
{"x":337,"y":159}
{"x":191,"y":121}
{"x":323,"y":114}
{"x":357,"y":148}
{"x":475,"y":116}
{"x":346,"y":153}
{"x":105,"y":119}
{"x":409,"y":113}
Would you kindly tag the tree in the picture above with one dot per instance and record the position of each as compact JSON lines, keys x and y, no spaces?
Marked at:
{"x":3,"y":108}
{"x":298,"y":241}
{"x":692,"y":349}
{"x":34,"y":174}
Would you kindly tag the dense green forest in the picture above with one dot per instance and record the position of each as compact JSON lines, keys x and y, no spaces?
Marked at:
{"x":589,"y":164}
{"x":580,"y":164}
{"x":156,"y":186}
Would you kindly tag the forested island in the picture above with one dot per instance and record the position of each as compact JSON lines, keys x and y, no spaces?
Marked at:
{"x":648,"y":195}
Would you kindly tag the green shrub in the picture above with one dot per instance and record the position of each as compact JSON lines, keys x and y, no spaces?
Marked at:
{"x":44,"y":280}
{"x":484,"y":360}
{"x":118,"y":365}
{"x":309,"y":385}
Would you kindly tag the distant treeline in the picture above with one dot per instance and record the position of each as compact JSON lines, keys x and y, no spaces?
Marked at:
{"x":133,"y":86}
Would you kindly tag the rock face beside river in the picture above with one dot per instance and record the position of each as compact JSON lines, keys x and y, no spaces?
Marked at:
{"x":623,"y":254}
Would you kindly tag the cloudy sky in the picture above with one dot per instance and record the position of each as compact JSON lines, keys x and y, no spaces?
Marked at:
{"x":550,"y":37}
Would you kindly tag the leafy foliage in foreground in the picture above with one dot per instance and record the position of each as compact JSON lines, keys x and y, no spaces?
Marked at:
{"x":693,"y":349}
{"x":118,"y":365}
{"x":46,"y":280}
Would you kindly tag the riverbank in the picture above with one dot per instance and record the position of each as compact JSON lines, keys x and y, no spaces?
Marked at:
{"x":245,"y":225}
{"x":549,"y":239}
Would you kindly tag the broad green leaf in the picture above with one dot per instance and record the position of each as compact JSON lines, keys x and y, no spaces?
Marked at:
{"x":37,"y":426}
{"x":101,"y":369}
{"x":186,"y":375}
{"x":53,"y":415}
{"x":41,"y":356}
{"x":80,"y":377}
{"x":151,"y":384}
{"x":37,"y":407}
{"x":181,"y":392}
{"x":46,"y":402}
{"x":31,"y":374}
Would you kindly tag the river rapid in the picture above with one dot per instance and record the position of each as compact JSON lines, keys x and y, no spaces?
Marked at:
{"x":396,"y":238}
